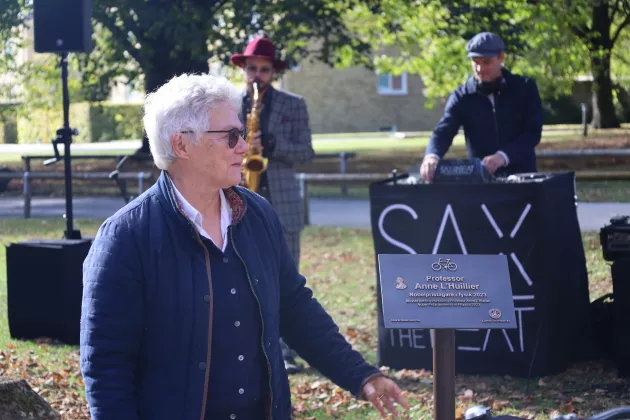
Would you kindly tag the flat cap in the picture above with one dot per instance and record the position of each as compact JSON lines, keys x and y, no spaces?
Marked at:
{"x":485,"y":44}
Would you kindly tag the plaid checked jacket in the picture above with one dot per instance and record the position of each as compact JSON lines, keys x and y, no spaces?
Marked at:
{"x":289,"y":123}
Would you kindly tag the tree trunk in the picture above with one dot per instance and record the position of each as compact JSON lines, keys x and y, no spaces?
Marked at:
{"x":623,"y":96}
{"x":604,"y":115}
{"x":601,"y":46}
{"x":18,"y":401}
{"x":162,"y":68}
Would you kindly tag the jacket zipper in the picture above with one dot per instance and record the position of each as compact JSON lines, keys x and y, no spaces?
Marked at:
{"x":204,"y":400}
{"x":494,"y":116}
{"x":262,"y":336}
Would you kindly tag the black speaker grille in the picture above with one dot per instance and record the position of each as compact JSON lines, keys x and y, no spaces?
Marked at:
{"x":62,"y":25}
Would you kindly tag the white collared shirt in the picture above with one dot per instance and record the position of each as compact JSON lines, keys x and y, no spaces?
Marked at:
{"x":196,"y":217}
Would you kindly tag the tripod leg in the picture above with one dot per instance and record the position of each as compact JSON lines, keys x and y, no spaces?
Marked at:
{"x":122,"y":185}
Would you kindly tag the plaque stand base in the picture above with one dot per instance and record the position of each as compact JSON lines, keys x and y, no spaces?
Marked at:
{"x":444,"y":374}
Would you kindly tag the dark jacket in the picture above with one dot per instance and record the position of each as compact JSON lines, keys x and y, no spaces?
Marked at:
{"x":286,"y":126}
{"x":146,"y":321}
{"x":513,"y":125}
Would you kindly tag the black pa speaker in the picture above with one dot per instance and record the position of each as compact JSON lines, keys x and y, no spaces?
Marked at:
{"x":45,"y":288}
{"x":62,"y":25}
{"x":620,"y":271}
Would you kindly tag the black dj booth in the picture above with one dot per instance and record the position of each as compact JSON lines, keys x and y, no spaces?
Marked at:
{"x":532,"y":219}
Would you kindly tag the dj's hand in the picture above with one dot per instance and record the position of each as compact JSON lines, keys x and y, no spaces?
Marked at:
{"x":493,"y":162}
{"x":427,"y":169}
{"x":254,"y":142}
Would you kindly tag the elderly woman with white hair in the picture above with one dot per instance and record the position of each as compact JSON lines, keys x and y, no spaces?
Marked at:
{"x":188,"y":288}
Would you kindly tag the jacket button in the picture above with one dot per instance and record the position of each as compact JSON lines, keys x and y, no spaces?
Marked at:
{"x":206,"y":298}
{"x":225,"y":260}
{"x":202,"y":366}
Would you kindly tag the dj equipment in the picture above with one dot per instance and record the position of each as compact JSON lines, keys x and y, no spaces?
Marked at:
{"x":529,"y":217}
{"x":44,"y":287}
{"x":473,"y":171}
{"x":615,"y":242}
{"x":62,"y":25}
{"x":620,"y":271}
{"x":461,"y":170}
{"x":484,"y":413}
{"x":615,"y":238}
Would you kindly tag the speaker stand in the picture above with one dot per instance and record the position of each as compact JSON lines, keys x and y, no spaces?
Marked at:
{"x":64,"y":135}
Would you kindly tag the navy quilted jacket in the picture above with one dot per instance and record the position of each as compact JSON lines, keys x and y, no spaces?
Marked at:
{"x":140,"y":316}
{"x":513,"y":124}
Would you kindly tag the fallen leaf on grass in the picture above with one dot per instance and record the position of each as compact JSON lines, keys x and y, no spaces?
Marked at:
{"x":500,"y":405}
{"x":486,"y":401}
{"x":411,"y":375}
{"x":315,"y":385}
{"x":566,"y":408}
{"x":51,"y":382}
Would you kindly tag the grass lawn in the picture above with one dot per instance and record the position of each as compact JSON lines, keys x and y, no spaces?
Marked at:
{"x":339,"y":266}
{"x":363,"y":142}
{"x":384,"y":142}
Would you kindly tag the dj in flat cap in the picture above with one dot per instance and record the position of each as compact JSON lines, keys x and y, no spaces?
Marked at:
{"x":501,"y":114}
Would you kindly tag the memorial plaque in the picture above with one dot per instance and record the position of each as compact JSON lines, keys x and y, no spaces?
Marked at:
{"x":446,"y":291}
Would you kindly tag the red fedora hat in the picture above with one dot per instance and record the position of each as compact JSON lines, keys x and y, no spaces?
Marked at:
{"x":261,"y":48}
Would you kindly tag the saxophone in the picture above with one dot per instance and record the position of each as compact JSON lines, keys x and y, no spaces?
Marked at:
{"x":254,"y":164}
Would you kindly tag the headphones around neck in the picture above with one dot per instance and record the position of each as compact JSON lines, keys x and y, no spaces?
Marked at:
{"x":486,"y":88}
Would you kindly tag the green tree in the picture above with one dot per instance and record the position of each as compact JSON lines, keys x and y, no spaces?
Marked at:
{"x":172,"y":37}
{"x":34,"y":82}
{"x":552,"y":41}
{"x":599,"y":24}
{"x":17,"y":89}
{"x":620,"y":66}
{"x":152,"y":41}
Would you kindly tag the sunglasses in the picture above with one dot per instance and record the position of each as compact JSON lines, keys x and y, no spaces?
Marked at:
{"x":234,"y":134}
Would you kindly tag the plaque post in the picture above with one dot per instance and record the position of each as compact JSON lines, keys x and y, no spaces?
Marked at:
{"x":444,"y":374}
{"x":443,"y":293}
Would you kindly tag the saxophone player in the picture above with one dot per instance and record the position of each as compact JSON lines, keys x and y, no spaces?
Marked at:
{"x":285,"y":139}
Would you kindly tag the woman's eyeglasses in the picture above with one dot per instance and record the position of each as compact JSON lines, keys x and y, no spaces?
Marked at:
{"x":234,"y":134}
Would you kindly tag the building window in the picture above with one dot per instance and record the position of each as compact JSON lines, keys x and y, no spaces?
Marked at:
{"x":389,"y":84}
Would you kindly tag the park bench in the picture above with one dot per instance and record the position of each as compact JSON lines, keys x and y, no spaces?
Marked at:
{"x":121,"y":177}
{"x":27,"y":174}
